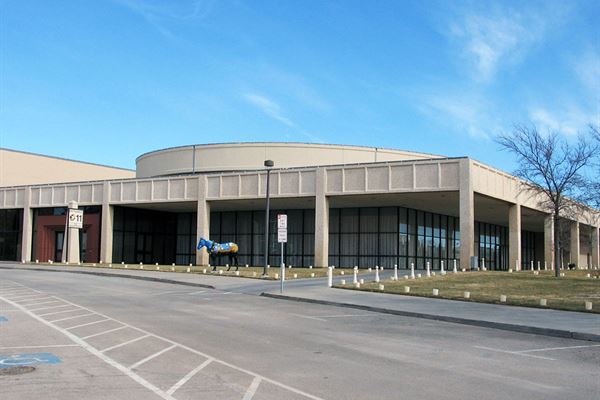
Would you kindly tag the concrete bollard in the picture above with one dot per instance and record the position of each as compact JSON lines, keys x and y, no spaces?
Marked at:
{"x":276,"y":276}
{"x":463,"y":270}
{"x":467,"y":295}
{"x":370,"y":269}
{"x":406,"y":289}
{"x":343,"y":282}
{"x":435,"y":292}
{"x":361,"y":281}
{"x":502,"y":298}
{"x":418,"y":275}
{"x":79,"y":263}
{"x":406,"y":277}
{"x":355,"y":278}
{"x":204,"y":270}
{"x":22,"y":261}
{"x":517,"y":265}
{"x":483,"y":264}
{"x":237,"y":273}
{"x":376,"y":274}
{"x":342,"y":273}
{"x":310,"y":266}
{"x":295,"y":276}
{"x":543,"y":302}
{"x":588,"y":305}
{"x":246,"y":265}
{"x":454,"y":268}
{"x":510,"y":270}
{"x":588,"y":276}
{"x":357,"y":285}
{"x":126,"y":267}
{"x":220,"y":272}
{"x":141,"y":267}
{"x":290,"y":266}
{"x":100,"y":261}
{"x":172,"y":264}
{"x":93,"y":264}
{"x":428,"y":269}
{"x":329,"y":276}
{"x":37,"y":261}
{"x":268,"y":265}
{"x":312,"y":274}
{"x":412,"y":270}
{"x":442,"y":271}
{"x":189,"y":269}
{"x":395,"y":272}
{"x":532,"y":265}
{"x":538,"y":266}
{"x":536,"y":272}
{"x":226,"y":265}
{"x":381,"y":287}
{"x":545,"y":266}
{"x":172,"y":269}
{"x":432,"y":273}
{"x":155,"y":263}
{"x":157,"y":268}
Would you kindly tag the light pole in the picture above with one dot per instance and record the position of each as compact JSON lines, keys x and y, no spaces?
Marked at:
{"x":268,"y":164}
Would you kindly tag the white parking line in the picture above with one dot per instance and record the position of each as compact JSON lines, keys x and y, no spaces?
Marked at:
{"x":39,"y":347}
{"x":49,"y":307}
{"x":104,"y":333}
{"x":57,"y":312}
{"x":343,"y":315}
{"x":558,"y":348}
{"x":252,"y":389}
{"x":29,"y":297}
{"x":189,"y":376}
{"x":89,"y":323}
{"x":40,"y":303}
{"x":514,"y":353}
{"x":73,"y":317}
{"x":132,"y":374}
{"x":124,"y":343}
{"x":150,"y":357}
{"x":308,"y":317}
{"x":198,"y":292}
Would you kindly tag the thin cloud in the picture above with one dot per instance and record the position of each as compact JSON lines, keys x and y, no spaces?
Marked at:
{"x":273,"y":110}
{"x":569,"y":120}
{"x":587,"y":68}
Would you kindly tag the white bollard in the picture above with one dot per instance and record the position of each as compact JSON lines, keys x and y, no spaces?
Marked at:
{"x":467,"y":295}
{"x":237,"y":273}
{"x":355,"y":278}
{"x":289,"y":267}
{"x":141,"y":267}
{"x":189,"y":269}
{"x":329,"y":276}
{"x":94,"y":264}
{"x":510,"y":270}
{"x":412,"y":270}
{"x":220,"y":272}
{"x":276,"y":276}
{"x":532,"y":265}
{"x":246,"y":265}
{"x":125,"y":266}
{"x":381,"y":287}
{"x":483,"y":264}
{"x":588,"y":305}
{"x":172,"y":269}
{"x":454,"y":268}
{"x":295,"y":276}
{"x":157,"y":268}
{"x":361,"y":281}
{"x":395,"y":272}
{"x":226,"y":265}
{"x":370,"y":269}
{"x":435,"y":292}
{"x":37,"y":261}
{"x":343,"y":282}
{"x":502,"y":298}
{"x":342,"y":273}
{"x":418,"y":275}
{"x":442,"y":271}
{"x":538,"y":266}
{"x":406,"y":289}
{"x":543,"y":302}
{"x":376,"y":274}
{"x":406,"y":277}
{"x":312,"y":274}
{"x":545,"y":266}
{"x":517,"y":265}
{"x":204,"y":271}
{"x":357,"y":285}
{"x":428,"y":269}
{"x":155,"y":263}
{"x":432,"y":273}
{"x":310,"y":267}
{"x":588,"y":276}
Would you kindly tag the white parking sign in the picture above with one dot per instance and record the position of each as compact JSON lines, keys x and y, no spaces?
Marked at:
{"x":75,"y":219}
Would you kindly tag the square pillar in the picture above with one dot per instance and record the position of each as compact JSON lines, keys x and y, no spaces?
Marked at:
{"x":549,"y":242}
{"x":321,"y":220}
{"x":514,"y":237}
{"x":467,"y":214}
{"x":202,"y":221}
{"x":73,"y":238}
{"x":595,"y":246}
{"x":106,"y":226}
{"x":574,"y":244}
{"x":27,"y":227}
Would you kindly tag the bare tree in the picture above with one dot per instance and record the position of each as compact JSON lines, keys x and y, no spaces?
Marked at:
{"x":553,"y":168}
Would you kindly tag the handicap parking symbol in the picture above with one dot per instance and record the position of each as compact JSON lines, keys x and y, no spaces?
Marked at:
{"x":16,"y":360}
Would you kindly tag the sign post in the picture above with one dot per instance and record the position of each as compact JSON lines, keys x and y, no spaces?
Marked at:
{"x":282,"y":238}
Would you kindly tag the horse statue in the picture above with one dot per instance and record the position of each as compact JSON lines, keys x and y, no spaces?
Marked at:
{"x":216,"y":250}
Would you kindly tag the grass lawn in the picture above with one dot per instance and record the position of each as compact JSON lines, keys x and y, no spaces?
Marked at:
{"x":521,"y":288}
{"x":246,"y":272}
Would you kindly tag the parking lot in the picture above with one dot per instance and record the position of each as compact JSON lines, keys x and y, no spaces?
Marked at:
{"x":98,"y":337}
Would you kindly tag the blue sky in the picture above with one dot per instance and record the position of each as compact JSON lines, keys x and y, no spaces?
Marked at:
{"x":107,"y":80}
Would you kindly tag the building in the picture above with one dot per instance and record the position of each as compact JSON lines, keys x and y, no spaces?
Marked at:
{"x":346,"y":206}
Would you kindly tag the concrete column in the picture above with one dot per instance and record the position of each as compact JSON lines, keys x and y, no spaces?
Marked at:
{"x":106,"y":228}
{"x":321,"y":220}
{"x":514,"y":236}
{"x":595,"y":248}
{"x":467,"y":214}
{"x":549,"y":241}
{"x":574,"y":244}
{"x":27,"y":233}
{"x":73,"y":238}
{"x":202,"y":220}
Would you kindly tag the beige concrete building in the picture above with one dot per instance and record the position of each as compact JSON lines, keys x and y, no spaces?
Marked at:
{"x":346,"y":206}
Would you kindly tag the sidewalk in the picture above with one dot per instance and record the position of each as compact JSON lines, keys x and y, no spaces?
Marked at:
{"x":584,"y":326}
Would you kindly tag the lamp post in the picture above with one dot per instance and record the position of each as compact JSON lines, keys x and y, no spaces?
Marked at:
{"x":268,"y":164}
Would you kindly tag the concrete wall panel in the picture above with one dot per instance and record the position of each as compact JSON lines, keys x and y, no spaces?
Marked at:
{"x":128,"y":191}
{"x":378,"y":178}
{"x":449,"y":175}
{"x":249,"y":185}
{"x":176,"y":189}
{"x":307,"y":182}
{"x":354,"y":180}
{"x":144,"y":191}
{"x":427,"y":176}
{"x":214,"y":187}
{"x":402,"y":177}
{"x":160,"y":190}
{"x":334,"y":180}
{"x":290,"y":182}
{"x":230,"y":186}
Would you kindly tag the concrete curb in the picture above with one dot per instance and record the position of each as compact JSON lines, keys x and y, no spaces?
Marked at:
{"x":456,"y":320}
{"x":112,"y":275}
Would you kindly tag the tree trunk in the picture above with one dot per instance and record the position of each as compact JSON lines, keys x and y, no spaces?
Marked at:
{"x":557,"y":253}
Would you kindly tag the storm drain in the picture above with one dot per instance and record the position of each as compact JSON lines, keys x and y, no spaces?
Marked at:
{"x":16,"y":370}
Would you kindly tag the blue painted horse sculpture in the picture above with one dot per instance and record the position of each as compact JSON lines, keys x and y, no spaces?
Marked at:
{"x":216,"y":250}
